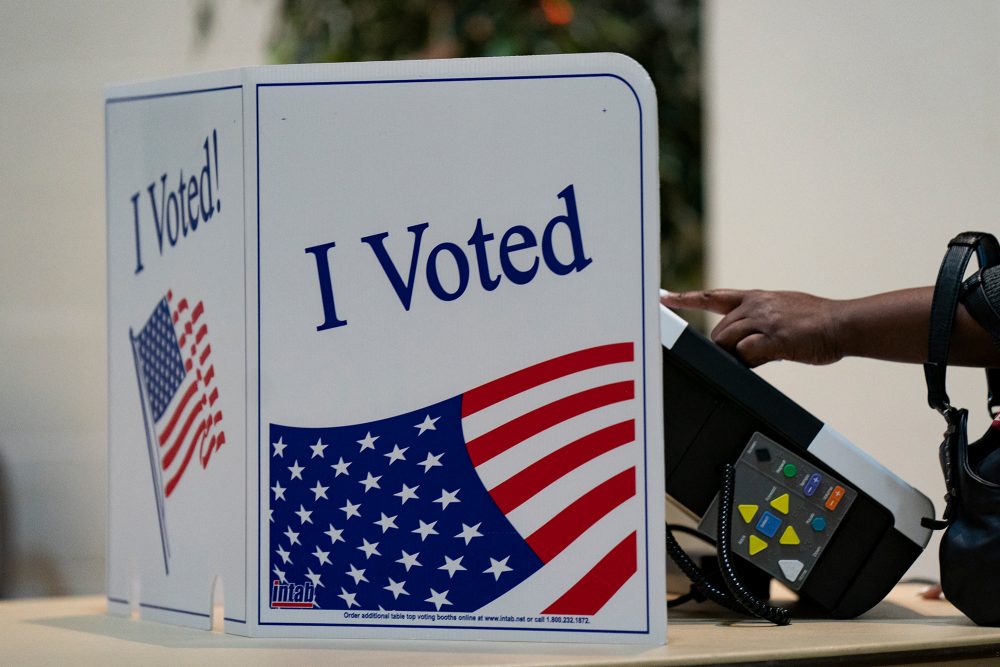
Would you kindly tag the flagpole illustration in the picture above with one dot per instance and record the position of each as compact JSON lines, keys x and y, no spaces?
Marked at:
{"x":153,"y":456}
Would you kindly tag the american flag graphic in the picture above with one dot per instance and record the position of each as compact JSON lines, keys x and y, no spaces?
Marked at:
{"x":173,"y":361}
{"x":522,"y":488}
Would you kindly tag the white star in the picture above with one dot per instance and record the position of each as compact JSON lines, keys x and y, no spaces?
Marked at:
{"x":296,"y":470}
{"x":280,"y":575}
{"x":426,"y":425}
{"x":409,"y":560}
{"x":349,"y":598}
{"x":367,"y":442}
{"x":396,"y":588}
{"x":304,"y":515}
{"x":448,"y":497}
{"x":270,"y":515}
{"x":279,"y":448}
{"x":425,"y":529}
{"x":334,"y":534}
{"x":351,"y":509}
{"x":438,"y":599}
{"x":279,"y":491}
{"x":322,"y":556}
{"x":319,"y":490}
{"x":407,"y":493}
{"x":497,"y":567}
{"x":293,"y":537}
{"x":386,"y":522}
{"x":318,"y":449}
{"x":370,"y":482}
{"x":396,"y":454}
{"x":431,"y":461}
{"x":469,"y":532}
{"x":313,"y":577}
{"x":452,"y":565}
{"x":285,"y":556}
{"x":340,"y":466}
{"x":357,"y":575}
{"x":370,"y":548}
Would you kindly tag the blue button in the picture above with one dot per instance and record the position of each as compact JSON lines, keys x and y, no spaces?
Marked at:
{"x":819,"y":524}
{"x":768,"y":524}
{"x":814,"y":481}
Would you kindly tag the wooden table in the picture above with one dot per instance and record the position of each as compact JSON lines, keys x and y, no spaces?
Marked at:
{"x":903,"y":629}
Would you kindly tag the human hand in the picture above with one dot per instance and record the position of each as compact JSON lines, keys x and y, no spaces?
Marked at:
{"x":760,"y":326}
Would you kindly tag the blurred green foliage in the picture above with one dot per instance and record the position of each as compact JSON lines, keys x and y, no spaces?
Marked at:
{"x":663,"y":36}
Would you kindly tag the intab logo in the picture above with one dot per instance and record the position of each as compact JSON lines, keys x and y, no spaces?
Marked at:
{"x":292,"y":596}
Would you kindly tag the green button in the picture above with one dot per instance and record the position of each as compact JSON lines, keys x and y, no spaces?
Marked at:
{"x":789,"y":470}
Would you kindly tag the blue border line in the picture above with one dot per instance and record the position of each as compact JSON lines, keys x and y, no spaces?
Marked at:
{"x":118,"y":600}
{"x":147,"y":605}
{"x":177,"y":93}
{"x":642,"y":250}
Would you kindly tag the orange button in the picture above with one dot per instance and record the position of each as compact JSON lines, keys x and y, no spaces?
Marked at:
{"x":835,"y":496}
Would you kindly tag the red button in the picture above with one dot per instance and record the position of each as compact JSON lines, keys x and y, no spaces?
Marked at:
{"x":834,"y":499}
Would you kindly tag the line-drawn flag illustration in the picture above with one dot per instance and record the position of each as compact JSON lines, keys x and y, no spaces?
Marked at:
{"x":524,"y":486}
{"x":173,"y":363}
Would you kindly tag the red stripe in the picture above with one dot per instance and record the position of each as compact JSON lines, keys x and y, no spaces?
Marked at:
{"x":201,"y":333}
{"x":204,"y":354}
{"x":182,"y":305}
{"x":197,"y":312}
{"x":214,"y":396}
{"x":187,"y":459}
{"x":292,"y":605}
{"x":516,"y":490}
{"x":217,"y":417}
{"x":493,"y":392}
{"x":559,"y":532}
{"x":168,"y":458}
{"x":595,"y":588}
{"x":165,"y":435}
{"x":517,"y":430}
{"x":209,"y":374}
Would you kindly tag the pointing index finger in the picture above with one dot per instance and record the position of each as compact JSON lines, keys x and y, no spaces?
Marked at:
{"x":719,"y":301}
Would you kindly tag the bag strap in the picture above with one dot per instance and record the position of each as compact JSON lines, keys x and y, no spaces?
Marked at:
{"x":947,"y":290}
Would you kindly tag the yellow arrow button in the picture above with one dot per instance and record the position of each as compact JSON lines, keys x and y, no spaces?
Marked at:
{"x":781,"y":503}
{"x":789,"y":536}
{"x":747,"y":512}
{"x":756,"y":545}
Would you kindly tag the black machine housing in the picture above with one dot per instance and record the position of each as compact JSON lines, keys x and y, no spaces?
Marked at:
{"x":713,"y":406}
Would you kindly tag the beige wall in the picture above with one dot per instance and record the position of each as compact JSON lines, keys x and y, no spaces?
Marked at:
{"x":55,"y":59}
{"x":848,"y":141}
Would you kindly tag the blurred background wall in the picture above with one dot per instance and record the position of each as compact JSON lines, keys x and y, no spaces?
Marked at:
{"x":847,"y":143}
{"x":55,"y":59}
{"x":844,"y":144}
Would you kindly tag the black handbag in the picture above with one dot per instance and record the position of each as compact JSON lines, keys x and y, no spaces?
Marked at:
{"x":970,"y":546}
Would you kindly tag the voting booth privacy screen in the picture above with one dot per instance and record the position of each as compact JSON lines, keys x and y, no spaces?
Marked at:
{"x":384,"y":351}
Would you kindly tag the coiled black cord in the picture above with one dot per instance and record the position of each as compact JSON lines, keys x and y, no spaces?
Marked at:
{"x":697,"y":577}
{"x":746,"y":599}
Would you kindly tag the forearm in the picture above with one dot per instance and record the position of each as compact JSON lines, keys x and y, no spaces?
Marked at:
{"x":894,"y":326}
